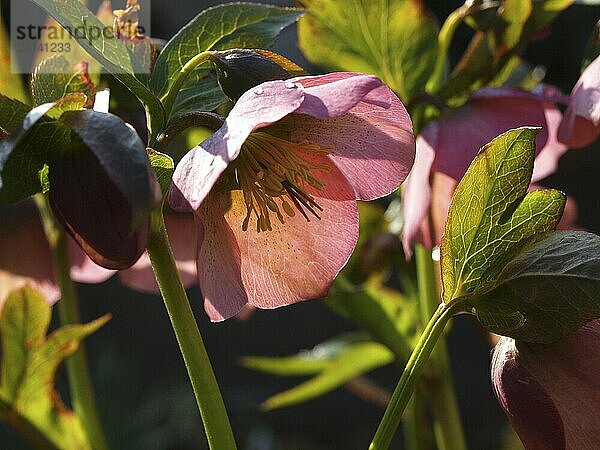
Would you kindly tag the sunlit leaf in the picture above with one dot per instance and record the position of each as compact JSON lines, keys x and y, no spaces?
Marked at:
{"x":550,"y":288}
{"x":55,"y":78}
{"x":28,"y":399}
{"x":235,"y":25}
{"x":25,"y":151}
{"x":492,"y":215}
{"x":163,"y":166}
{"x":395,"y":40}
{"x":355,"y":359}
{"x":107,"y":50}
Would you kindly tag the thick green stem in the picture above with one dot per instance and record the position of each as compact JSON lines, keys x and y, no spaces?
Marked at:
{"x":447,"y":423}
{"x":80,"y":384}
{"x":204,"y":383}
{"x":415,"y":365}
{"x":169,"y":98}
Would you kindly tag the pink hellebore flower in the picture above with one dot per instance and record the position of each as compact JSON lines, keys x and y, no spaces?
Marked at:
{"x":551,"y":392}
{"x":26,"y":257}
{"x":274,"y":190}
{"x":446,"y":148}
{"x":581,"y":124}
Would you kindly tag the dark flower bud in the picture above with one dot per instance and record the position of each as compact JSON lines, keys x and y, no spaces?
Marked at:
{"x":240,"y":70}
{"x":550,"y":392}
{"x":102,"y":188}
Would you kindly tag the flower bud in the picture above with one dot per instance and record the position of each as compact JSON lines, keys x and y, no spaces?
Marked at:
{"x":240,"y":70}
{"x":102,"y":189}
{"x":550,"y":392}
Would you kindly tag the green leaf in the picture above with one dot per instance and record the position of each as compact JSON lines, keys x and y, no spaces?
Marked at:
{"x":235,"y":25}
{"x":25,"y":151}
{"x":395,"y":40}
{"x":202,"y":94}
{"x":107,"y":50}
{"x":489,"y":51}
{"x":55,"y":78}
{"x":28,"y":400}
{"x":354,"y":360}
{"x":549,"y":289}
{"x":545,"y":11}
{"x":12,"y":113}
{"x":163,"y":166}
{"x":383,"y":312}
{"x":11,"y":83}
{"x":492,"y":215}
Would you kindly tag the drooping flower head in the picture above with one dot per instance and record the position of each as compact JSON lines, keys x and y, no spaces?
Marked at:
{"x":550,"y":392}
{"x":446,"y":147}
{"x":274,"y":190}
{"x":581,"y":124}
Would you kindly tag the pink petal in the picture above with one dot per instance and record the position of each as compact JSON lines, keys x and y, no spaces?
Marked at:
{"x":200,"y":168}
{"x":546,"y":163}
{"x":83,"y":269}
{"x":416,"y":194}
{"x":332,"y":95}
{"x":25,"y":257}
{"x":373,"y":136}
{"x":219,"y":261}
{"x":581,"y":125}
{"x":296,"y":261}
{"x":465,"y":130}
{"x":183,"y":237}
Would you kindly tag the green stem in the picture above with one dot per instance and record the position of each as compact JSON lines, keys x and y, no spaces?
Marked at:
{"x":204,"y":383}
{"x":444,"y":40}
{"x":415,"y":365}
{"x":169,"y":98}
{"x":80,"y":384}
{"x":447,"y":423}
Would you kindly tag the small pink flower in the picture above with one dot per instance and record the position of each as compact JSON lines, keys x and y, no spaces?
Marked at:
{"x":447,"y":146}
{"x":551,"y":392}
{"x":274,"y":190}
{"x":581,"y":124}
{"x":26,"y":258}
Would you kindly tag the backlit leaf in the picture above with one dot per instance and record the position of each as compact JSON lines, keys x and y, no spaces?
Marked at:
{"x":395,"y":40}
{"x":235,"y":25}
{"x":492,"y":215}
{"x":28,"y":399}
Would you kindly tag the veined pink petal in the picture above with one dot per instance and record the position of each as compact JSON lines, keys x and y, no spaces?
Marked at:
{"x":295,"y":261}
{"x":83,"y":269}
{"x":371,"y":136}
{"x":581,"y":125}
{"x":200,"y":168}
{"x":183,"y":237}
{"x":25,"y":257}
{"x":465,"y":130}
{"x":332,"y":95}
{"x":219,"y":260}
{"x":416,"y":193}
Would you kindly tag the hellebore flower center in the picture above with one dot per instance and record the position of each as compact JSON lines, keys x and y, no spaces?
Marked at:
{"x":272,"y":173}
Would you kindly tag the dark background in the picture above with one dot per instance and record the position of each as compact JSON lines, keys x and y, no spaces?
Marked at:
{"x":142,"y":389}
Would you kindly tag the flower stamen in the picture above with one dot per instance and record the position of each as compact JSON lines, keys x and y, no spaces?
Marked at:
{"x":273,"y":174}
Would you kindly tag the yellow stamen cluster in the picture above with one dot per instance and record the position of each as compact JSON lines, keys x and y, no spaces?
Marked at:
{"x":272,"y":172}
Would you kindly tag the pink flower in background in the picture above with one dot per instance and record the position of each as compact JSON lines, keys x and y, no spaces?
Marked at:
{"x":581,"y":124}
{"x":274,"y":190}
{"x":446,"y":147}
{"x":26,"y":257}
{"x":551,"y":392}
